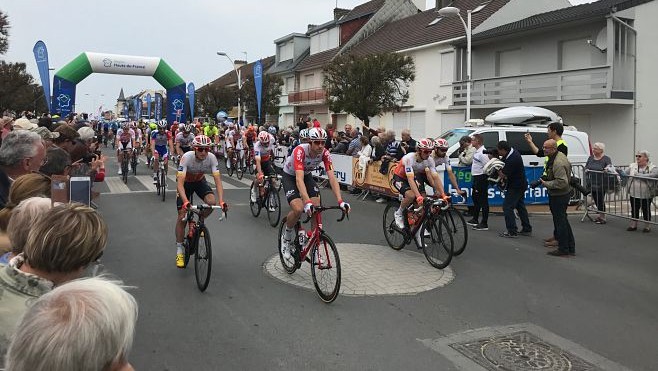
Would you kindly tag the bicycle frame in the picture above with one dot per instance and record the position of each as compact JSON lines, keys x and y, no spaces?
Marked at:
{"x":317,"y":231}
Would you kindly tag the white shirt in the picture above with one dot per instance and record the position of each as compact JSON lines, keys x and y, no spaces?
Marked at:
{"x":479,"y":160}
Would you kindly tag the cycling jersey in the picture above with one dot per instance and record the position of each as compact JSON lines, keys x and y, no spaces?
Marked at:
{"x":409,"y":165}
{"x":210,"y":131}
{"x":301,"y":159}
{"x":235,"y":135}
{"x":193,"y":169}
{"x":262,"y":151}
{"x":183,"y":140}
{"x":161,"y":139}
{"x":442,"y":161}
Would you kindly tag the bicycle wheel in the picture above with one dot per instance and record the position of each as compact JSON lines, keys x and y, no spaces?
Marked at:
{"x":163,"y":184}
{"x":288,"y":264}
{"x":438,"y":246}
{"x":133,"y":163}
{"x":458,"y":228}
{"x":254,"y":206}
{"x":273,"y":205}
{"x":124,"y":169}
{"x":325,"y":268}
{"x":202,"y":258}
{"x":239,"y":171}
{"x":157,"y":183}
{"x":186,"y":250}
{"x":393,"y":235}
{"x":229,"y":168}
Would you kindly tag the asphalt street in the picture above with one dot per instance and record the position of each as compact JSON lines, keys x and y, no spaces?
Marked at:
{"x":603,"y":300}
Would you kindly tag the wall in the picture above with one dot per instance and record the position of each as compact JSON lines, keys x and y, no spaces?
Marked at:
{"x":348,"y":29}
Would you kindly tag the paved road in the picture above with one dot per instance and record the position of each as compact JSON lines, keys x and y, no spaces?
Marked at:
{"x":600,"y":306}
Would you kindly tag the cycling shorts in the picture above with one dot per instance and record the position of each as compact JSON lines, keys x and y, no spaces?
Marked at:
{"x":290,"y":186}
{"x":162,"y":151}
{"x":402,"y":184}
{"x":185,"y":149}
{"x":267,"y":168}
{"x":201,"y":188}
{"x":125,"y":145}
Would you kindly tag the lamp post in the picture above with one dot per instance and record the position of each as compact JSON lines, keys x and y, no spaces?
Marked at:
{"x":238,"y":75}
{"x":451,"y":11}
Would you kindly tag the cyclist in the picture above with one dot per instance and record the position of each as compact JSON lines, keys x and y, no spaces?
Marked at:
{"x":138,"y":139}
{"x":232,"y":141}
{"x":125,"y":140}
{"x":191,"y":179}
{"x":210,"y":130}
{"x":184,"y":139}
{"x":414,"y":170}
{"x":161,"y":145}
{"x":301,"y":191}
{"x":263,"y":149}
{"x":441,"y":158}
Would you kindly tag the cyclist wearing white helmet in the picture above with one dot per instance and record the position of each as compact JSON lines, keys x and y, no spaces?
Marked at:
{"x":125,"y":140}
{"x":234,"y":142}
{"x":300,"y":188}
{"x":191,"y":179}
{"x":162,"y":145}
{"x":303,"y":136}
{"x":184,"y":139}
{"x":221,"y":117}
{"x":263,"y":150}
{"x":414,"y":170}
{"x":441,"y":158}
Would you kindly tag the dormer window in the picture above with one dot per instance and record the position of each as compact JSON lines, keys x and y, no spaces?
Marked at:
{"x":480,"y":7}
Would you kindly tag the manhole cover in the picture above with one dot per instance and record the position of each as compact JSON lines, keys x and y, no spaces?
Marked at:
{"x":372,"y":270}
{"x":520,"y":351}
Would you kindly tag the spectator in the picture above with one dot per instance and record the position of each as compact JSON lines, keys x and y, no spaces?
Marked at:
{"x":354,"y":146}
{"x":23,"y":218}
{"x":24,"y":124}
{"x":46,"y":122}
{"x":480,"y":186}
{"x":26,"y":186}
{"x":640,"y":190}
{"x":407,"y":143}
{"x":393,"y":153}
{"x":365,"y":155}
{"x":63,"y":242}
{"x":556,"y":181}
{"x":316,"y":123}
{"x":514,"y":174}
{"x":597,"y":182}
{"x":46,"y":135}
{"x":378,"y":146}
{"x":59,"y":162}
{"x":84,"y":325}
{"x":67,"y":137}
{"x":465,"y":151}
{"x":341,"y":145}
{"x":21,"y":152}
{"x":330,"y":135}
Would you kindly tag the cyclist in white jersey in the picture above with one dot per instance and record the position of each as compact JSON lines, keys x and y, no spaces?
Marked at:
{"x":440,"y":157}
{"x":184,"y":139}
{"x":263,"y":150}
{"x":301,"y":190}
{"x":125,"y":139}
{"x":191,"y":179}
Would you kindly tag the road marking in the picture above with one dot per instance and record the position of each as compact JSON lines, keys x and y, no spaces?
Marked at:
{"x":116,"y":185}
{"x":147,"y":181}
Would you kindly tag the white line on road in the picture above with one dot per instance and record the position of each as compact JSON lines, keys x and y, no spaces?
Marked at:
{"x":116,"y":185}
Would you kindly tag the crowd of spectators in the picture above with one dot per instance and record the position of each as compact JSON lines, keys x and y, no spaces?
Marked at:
{"x":52,"y":315}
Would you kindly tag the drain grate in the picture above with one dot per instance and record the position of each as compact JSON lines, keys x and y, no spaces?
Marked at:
{"x":520,"y":351}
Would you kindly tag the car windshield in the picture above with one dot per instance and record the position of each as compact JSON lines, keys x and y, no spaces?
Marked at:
{"x":453,"y":135}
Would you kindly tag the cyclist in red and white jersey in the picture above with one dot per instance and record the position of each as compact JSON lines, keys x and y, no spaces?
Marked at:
{"x":263,"y":150}
{"x":125,"y":139}
{"x":440,"y":157}
{"x":301,"y":191}
{"x":191,"y":179}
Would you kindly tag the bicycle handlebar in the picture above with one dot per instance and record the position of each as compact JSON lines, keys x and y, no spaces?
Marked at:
{"x":201,"y":207}
{"x":319,"y":209}
{"x":454,"y":193}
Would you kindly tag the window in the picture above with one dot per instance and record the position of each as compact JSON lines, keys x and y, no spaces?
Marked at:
{"x":290,"y":84}
{"x":447,"y":68}
{"x":573,"y":54}
{"x":285,"y":51}
{"x":490,"y":139}
{"x":508,"y":62}
{"x":309,"y":81}
{"x":516,"y":140}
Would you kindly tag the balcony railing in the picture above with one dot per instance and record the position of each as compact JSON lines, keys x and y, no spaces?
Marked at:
{"x":308,"y":96}
{"x":580,"y":84}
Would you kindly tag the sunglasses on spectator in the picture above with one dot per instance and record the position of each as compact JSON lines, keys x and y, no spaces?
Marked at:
{"x":202,"y":149}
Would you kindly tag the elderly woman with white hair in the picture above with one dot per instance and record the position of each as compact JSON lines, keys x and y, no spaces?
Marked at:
{"x":598,"y":162}
{"x":640,"y":190}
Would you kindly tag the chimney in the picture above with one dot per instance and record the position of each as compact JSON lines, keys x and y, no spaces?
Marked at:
{"x":442,"y":3}
{"x":340,"y":13}
{"x":239,"y":63}
{"x":310,"y":27}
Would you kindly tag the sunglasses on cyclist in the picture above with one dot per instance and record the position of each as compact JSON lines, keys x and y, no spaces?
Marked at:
{"x":202,"y":149}
{"x":426,"y":151}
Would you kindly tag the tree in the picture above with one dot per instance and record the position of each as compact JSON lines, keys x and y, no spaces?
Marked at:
{"x":270,"y":99}
{"x":213,"y":98}
{"x":368,"y":86}
{"x":4,"y":32}
{"x":18,"y":92}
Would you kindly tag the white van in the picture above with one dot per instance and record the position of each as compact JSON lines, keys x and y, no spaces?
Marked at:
{"x":511,"y":126}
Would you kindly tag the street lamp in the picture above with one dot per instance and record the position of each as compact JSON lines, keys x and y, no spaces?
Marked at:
{"x":238,"y":75}
{"x":451,"y":11}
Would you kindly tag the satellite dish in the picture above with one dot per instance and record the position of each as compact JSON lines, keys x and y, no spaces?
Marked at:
{"x":602,"y":40}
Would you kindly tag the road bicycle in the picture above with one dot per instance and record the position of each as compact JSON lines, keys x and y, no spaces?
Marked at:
{"x":426,"y":220}
{"x":161,"y":178}
{"x":319,"y":250}
{"x":197,"y":242}
{"x":124,"y":164}
{"x":250,"y":162}
{"x":234,"y":164}
{"x":133,"y":160}
{"x":269,"y":200}
{"x":457,"y":224}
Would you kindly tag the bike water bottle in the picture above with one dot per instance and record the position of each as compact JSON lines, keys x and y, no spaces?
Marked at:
{"x":411,"y":217}
{"x":301,"y":237}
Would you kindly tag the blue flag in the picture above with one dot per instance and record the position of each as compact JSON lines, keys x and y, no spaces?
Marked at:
{"x":139,"y":109}
{"x":135,"y":103}
{"x":258,"y":81}
{"x":190,"y":94}
{"x":148,"y":105}
{"x":158,"y":106}
{"x":41,"y":57}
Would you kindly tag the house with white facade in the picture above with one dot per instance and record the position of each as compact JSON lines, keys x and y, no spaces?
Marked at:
{"x":428,"y":38}
{"x":593,"y":64}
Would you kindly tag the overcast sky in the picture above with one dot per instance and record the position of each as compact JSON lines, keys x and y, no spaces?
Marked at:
{"x":185,"y":34}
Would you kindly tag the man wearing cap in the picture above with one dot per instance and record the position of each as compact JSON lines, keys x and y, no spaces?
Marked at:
{"x":67,"y":137}
{"x":46,"y":135}
{"x":24,"y":124}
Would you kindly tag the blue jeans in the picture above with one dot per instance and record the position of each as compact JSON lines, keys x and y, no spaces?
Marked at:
{"x":563,"y":232}
{"x":514,"y":200}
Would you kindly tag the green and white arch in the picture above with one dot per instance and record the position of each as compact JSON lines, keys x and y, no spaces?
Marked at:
{"x":66,"y":79}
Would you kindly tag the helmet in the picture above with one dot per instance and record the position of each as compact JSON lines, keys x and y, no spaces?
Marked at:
{"x":491,"y":169}
{"x":201,"y":141}
{"x":317,"y":134}
{"x":221,"y":116}
{"x":162,"y":124}
{"x":188,"y":128}
{"x":264,"y":137}
{"x":303,"y":133}
{"x":441,"y":143}
{"x":425,"y":143}
{"x":231,"y":124}
{"x":211,"y":123}
{"x":132,"y":125}
{"x":124,"y":125}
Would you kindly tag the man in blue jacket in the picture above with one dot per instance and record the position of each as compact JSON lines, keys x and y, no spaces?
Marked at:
{"x":514,"y":175}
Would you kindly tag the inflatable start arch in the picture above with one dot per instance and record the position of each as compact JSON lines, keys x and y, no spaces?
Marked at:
{"x":85,"y":64}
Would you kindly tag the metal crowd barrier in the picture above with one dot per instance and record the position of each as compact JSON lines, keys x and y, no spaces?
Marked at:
{"x":616,"y":188}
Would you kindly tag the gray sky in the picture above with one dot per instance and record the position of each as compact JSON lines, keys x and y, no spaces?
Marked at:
{"x":185,"y":34}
